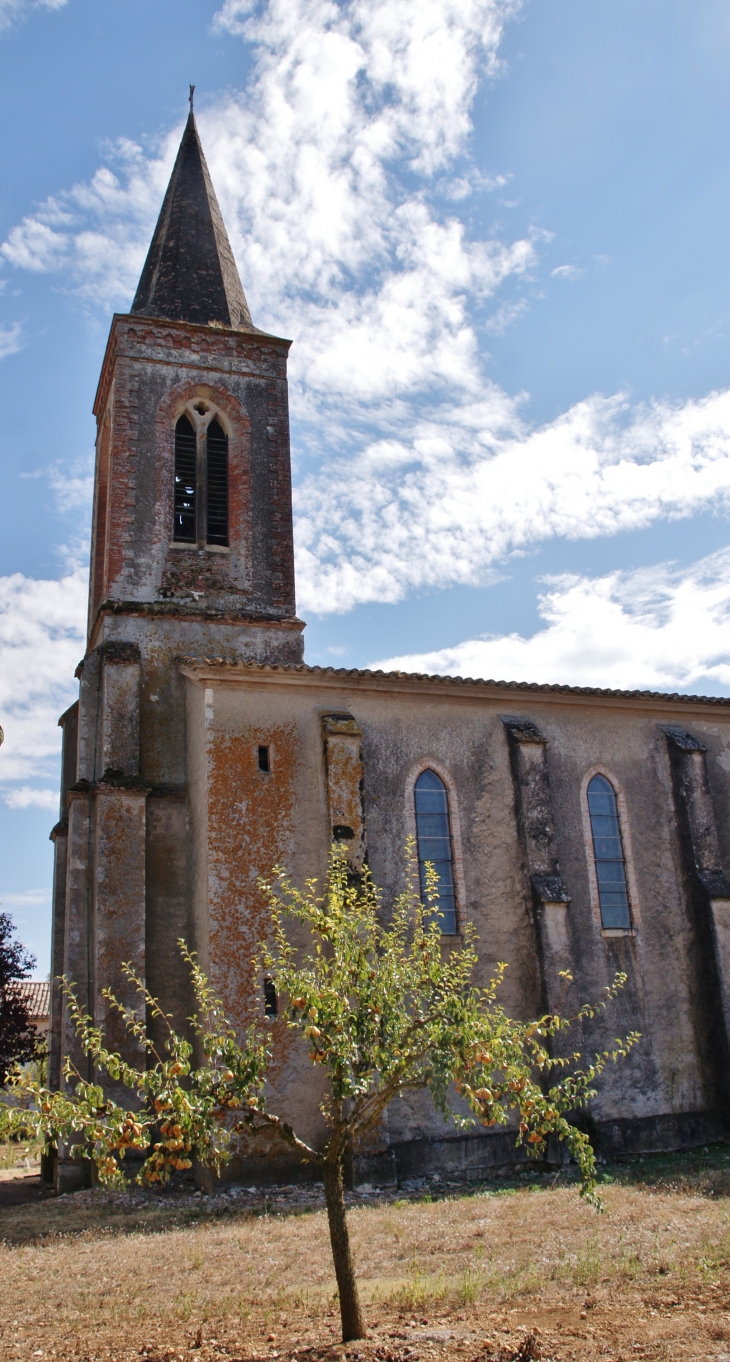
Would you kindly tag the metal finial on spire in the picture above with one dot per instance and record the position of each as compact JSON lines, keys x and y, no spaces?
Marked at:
{"x":190,"y":97}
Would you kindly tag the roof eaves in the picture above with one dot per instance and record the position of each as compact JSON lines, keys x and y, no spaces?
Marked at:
{"x":530,"y":687}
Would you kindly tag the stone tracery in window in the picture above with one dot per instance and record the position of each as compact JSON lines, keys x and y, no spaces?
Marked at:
{"x":200,"y":496}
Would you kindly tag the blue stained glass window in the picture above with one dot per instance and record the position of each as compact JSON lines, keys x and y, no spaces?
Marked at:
{"x":609,"y":854}
{"x":433,"y":833}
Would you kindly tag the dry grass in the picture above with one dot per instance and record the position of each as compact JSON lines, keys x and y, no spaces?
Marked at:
{"x":21,"y":1154}
{"x":464,"y":1276}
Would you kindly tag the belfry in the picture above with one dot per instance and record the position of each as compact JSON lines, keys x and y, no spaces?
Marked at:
{"x":191,"y":412}
{"x":581,"y":830}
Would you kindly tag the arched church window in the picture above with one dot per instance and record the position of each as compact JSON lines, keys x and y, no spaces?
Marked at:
{"x":200,"y":504}
{"x":217,"y":484}
{"x":609,"y":856}
{"x":433,"y":834}
{"x":184,"y":529}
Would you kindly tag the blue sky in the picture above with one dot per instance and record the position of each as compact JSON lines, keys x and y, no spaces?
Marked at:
{"x":499,"y":236}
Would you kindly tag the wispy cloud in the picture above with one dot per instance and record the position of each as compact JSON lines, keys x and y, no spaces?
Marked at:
{"x":11,"y":10}
{"x":329,"y":172}
{"x":28,"y":898}
{"x":566,"y":272}
{"x":42,"y":636}
{"x":27,"y":796}
{"x":11,"y":339}
{"x":661,"y":628}
{"x":73,"y":487}
{"x":472,"y":484}
{"x":413,"y":470}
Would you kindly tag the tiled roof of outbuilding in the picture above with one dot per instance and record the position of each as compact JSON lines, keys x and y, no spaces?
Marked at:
{"x":531,"y":687}
{"x":36,"y":993}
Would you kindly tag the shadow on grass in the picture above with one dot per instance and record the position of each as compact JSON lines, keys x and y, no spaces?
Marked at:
{"x":701,"y":1172}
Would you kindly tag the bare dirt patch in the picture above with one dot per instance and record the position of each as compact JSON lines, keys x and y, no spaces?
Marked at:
{"x":495,"y":1272}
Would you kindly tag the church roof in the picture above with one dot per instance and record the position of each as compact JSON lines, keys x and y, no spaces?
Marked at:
{"x":190,"y":274}
{"x":201,"y":664}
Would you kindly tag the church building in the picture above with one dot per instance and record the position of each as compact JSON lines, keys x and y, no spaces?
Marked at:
{"x":579,"y":829}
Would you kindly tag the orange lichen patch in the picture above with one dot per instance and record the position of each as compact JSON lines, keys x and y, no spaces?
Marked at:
{"x":250,"y":830}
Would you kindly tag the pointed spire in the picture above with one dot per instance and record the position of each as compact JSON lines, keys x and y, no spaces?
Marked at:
{"x":190,"y":274}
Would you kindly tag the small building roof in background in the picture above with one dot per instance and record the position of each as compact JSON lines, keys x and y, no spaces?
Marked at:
{"x":36,"y":993}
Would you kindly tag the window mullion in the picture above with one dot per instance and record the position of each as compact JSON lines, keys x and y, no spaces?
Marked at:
{"x":201,"y":500}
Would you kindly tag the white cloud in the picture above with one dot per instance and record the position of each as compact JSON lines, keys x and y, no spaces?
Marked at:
{"x":11,"y":339}
{"x":661,"y":628}
{"x":10,"y":10}
{"x":329,"y":174}
{"x":42,"y":637}
{"x":27,"y":796}
{"x":27,"y":898}
{"x":73,"y":488}
{"x":469,"y":485}
{"x":566,"y":272}
{"x":413,"y":470}
{"x":96,"y":234}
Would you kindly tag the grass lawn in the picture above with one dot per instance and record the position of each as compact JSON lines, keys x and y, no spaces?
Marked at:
{"x":466,"y":1272}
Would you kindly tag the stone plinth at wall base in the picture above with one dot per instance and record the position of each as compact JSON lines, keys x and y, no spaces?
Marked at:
{"x":480,"y":1156}
{"x":466,"y":1156}
{"x":72,"y":1175}
{"x":377,"y":1169}
{"x":205,"y":1179}
{"x":662,"y":1134}
{"x":49,"y":1162}
{"x":472,"y":1158}
{"x":256,"y":1173}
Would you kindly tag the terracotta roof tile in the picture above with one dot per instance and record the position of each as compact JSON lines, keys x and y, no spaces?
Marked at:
{"x":37,"y":994}
{"x":530,"y":687}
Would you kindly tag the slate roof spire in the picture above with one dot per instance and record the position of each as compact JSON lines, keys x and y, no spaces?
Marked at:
{"x":190,"y":274}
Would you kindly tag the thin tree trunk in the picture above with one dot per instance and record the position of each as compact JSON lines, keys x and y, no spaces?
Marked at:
{"x":353,"y":1324}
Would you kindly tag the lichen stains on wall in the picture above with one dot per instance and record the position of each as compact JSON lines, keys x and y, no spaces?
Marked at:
{"x":252,"y":826}
{"x":250,"y":830}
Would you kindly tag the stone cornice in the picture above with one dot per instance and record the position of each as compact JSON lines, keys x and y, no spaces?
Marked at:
{"x":191,"y":610}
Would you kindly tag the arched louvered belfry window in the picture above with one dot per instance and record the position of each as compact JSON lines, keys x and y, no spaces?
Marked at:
{"x":184,"y":528}
{"x":433,"y":834}
{"x":609,"y":856}
{"x":217,"y":485}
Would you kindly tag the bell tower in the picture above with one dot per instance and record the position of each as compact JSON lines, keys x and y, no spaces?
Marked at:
{"x":192,"y":504}
{"x":192,"y":555}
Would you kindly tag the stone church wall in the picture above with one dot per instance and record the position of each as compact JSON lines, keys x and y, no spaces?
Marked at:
{"x":675,"y":1080}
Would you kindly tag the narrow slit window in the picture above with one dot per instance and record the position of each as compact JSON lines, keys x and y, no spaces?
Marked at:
{"x":185,"y":478}
{"x":271,"y":1004}
{"x":608,"y":852}
{"x":217,"y":484}
{"x":264,"y":759}
{"x":433,"y":833}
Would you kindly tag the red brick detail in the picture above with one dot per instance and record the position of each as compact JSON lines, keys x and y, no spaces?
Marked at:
{"x":97,"y":585}
{"x":126,"y":568}
{"x":122,"y":475}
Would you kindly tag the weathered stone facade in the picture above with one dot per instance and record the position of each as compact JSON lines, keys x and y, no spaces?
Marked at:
{"x":194,"y":667}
